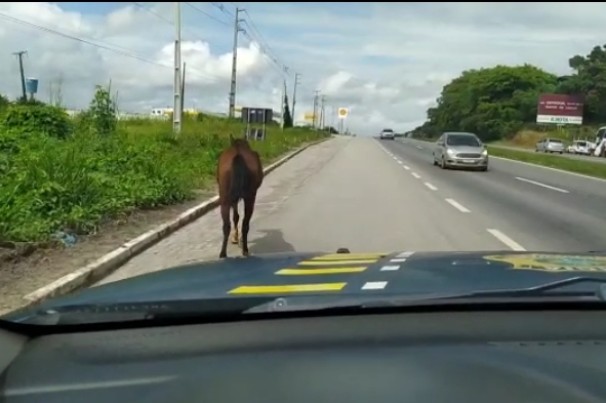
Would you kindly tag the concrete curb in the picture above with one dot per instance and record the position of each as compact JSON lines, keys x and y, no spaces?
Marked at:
{"x":111,"y":261}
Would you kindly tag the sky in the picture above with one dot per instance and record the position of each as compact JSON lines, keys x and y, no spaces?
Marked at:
{"x":385,"y":62}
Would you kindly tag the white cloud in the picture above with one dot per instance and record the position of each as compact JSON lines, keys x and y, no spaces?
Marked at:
{"x":386,"y":62}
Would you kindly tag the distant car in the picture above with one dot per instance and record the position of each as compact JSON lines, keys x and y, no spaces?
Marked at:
{"x":460,"y":149}
{"x":582,"y":147}
{"x":387,"y":134}
{"x":549,"y":145}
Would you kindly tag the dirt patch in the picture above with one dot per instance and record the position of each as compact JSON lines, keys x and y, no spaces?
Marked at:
{"x":38,"y":268}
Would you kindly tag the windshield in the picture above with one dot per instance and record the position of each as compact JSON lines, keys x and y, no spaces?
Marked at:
{"x":223,"y":158}
{"x":462,"y":140}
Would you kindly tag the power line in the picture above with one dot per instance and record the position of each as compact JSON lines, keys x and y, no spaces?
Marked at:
{"x":212,"y":17}
{"x":221,"y":7}
{"x":111,"y":48}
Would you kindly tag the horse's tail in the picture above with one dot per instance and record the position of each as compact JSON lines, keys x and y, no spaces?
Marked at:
{"x":239,"y":179}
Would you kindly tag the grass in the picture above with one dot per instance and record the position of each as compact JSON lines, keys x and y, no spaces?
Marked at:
{"x":49,"y":184}
{"x":594,"y":169}
{"x":528,"y":138}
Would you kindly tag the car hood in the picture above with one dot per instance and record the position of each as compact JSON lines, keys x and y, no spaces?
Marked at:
{"x":330,"y":278}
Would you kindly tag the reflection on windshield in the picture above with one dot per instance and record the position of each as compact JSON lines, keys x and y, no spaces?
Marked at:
{"x":462,"y":140}
{"x":94,"y":191}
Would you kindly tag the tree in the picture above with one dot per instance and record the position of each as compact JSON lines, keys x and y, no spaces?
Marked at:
{"x":589,"y":79}
{"x":491,"y":102}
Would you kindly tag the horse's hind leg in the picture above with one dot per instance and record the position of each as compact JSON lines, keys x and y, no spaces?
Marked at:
{"x":249,"y":206}
{"x":226,"y":229}
{"x":236,"y":238}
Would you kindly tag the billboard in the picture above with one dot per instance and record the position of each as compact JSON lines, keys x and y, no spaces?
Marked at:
{"x":560,"y":109}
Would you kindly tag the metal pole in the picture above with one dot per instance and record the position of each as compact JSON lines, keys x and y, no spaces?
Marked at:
{"x":177,"y":84}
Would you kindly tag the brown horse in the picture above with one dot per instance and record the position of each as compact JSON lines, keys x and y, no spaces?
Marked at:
{"x":239,"y":176}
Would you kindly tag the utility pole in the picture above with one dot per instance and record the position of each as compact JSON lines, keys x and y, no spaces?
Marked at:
{"x":20,"y":56}
{"x":183,"y":91}
{"x":294,"y":96}
{"x":234,"y":62}
{"x":315,"y":108}
{"x":177,"y":112}
{"x":282,"y":99}
{"x":322,"y":113}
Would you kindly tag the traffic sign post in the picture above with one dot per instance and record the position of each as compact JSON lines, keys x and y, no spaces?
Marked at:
{"x":342,"y":113}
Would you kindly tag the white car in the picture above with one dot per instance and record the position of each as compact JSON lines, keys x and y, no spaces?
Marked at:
{"x":387,"y":134}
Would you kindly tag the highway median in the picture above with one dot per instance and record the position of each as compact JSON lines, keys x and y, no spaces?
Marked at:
{"x":594,"y":169}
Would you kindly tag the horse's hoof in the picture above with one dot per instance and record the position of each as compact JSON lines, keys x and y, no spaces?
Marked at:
{"x":245,"y":253}
{"x":222,"y":255}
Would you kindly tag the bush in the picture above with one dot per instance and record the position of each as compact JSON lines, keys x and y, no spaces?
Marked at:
{"x":50,"y":183}
{"x":44,"y":119}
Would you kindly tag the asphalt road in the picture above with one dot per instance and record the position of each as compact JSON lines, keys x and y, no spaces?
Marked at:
{"x":383,"y":196}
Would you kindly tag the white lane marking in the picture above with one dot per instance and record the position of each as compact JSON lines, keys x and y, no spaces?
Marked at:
{"x":419,"y":147}
{"x":416,"y":175}
{"x":506,"y":240}
{"x":374,"y":285}
{"x":542,"y":185}
{"x":550,"y":168}
{"x":397,"y":260}
{"x":405,"y":254}
{"x":390,"y":268}
{"x":400,"y":162}
{"x":429,"y":185}
{"x":406,"y":167}
{"x":458,"y":206}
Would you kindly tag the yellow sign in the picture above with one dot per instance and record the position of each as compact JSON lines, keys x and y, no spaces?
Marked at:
{"x":552,"y":263}
{"x":343,"y":112}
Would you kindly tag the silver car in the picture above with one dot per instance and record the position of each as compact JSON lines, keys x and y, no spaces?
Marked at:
{"x":550,"y":146}
{"x":387,"y":134}
{"x":460,"y":149}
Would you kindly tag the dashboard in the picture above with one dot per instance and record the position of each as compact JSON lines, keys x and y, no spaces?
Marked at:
{"x":504,"y":356}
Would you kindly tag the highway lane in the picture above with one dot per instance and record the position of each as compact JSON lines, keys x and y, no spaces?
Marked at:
{"x":345,"y":192}
{"x":541,"y":208}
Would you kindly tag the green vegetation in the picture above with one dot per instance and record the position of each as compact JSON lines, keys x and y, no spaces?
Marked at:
{"x":582,"y":167}
{"x":499,"y":102}
{"x":59,"y":173}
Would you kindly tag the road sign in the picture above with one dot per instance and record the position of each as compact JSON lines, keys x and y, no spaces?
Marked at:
{"x":560,"y":109}
{"x":343,"y":112}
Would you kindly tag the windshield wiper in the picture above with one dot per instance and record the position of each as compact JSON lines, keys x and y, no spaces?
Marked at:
{"x":540,"y":290}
